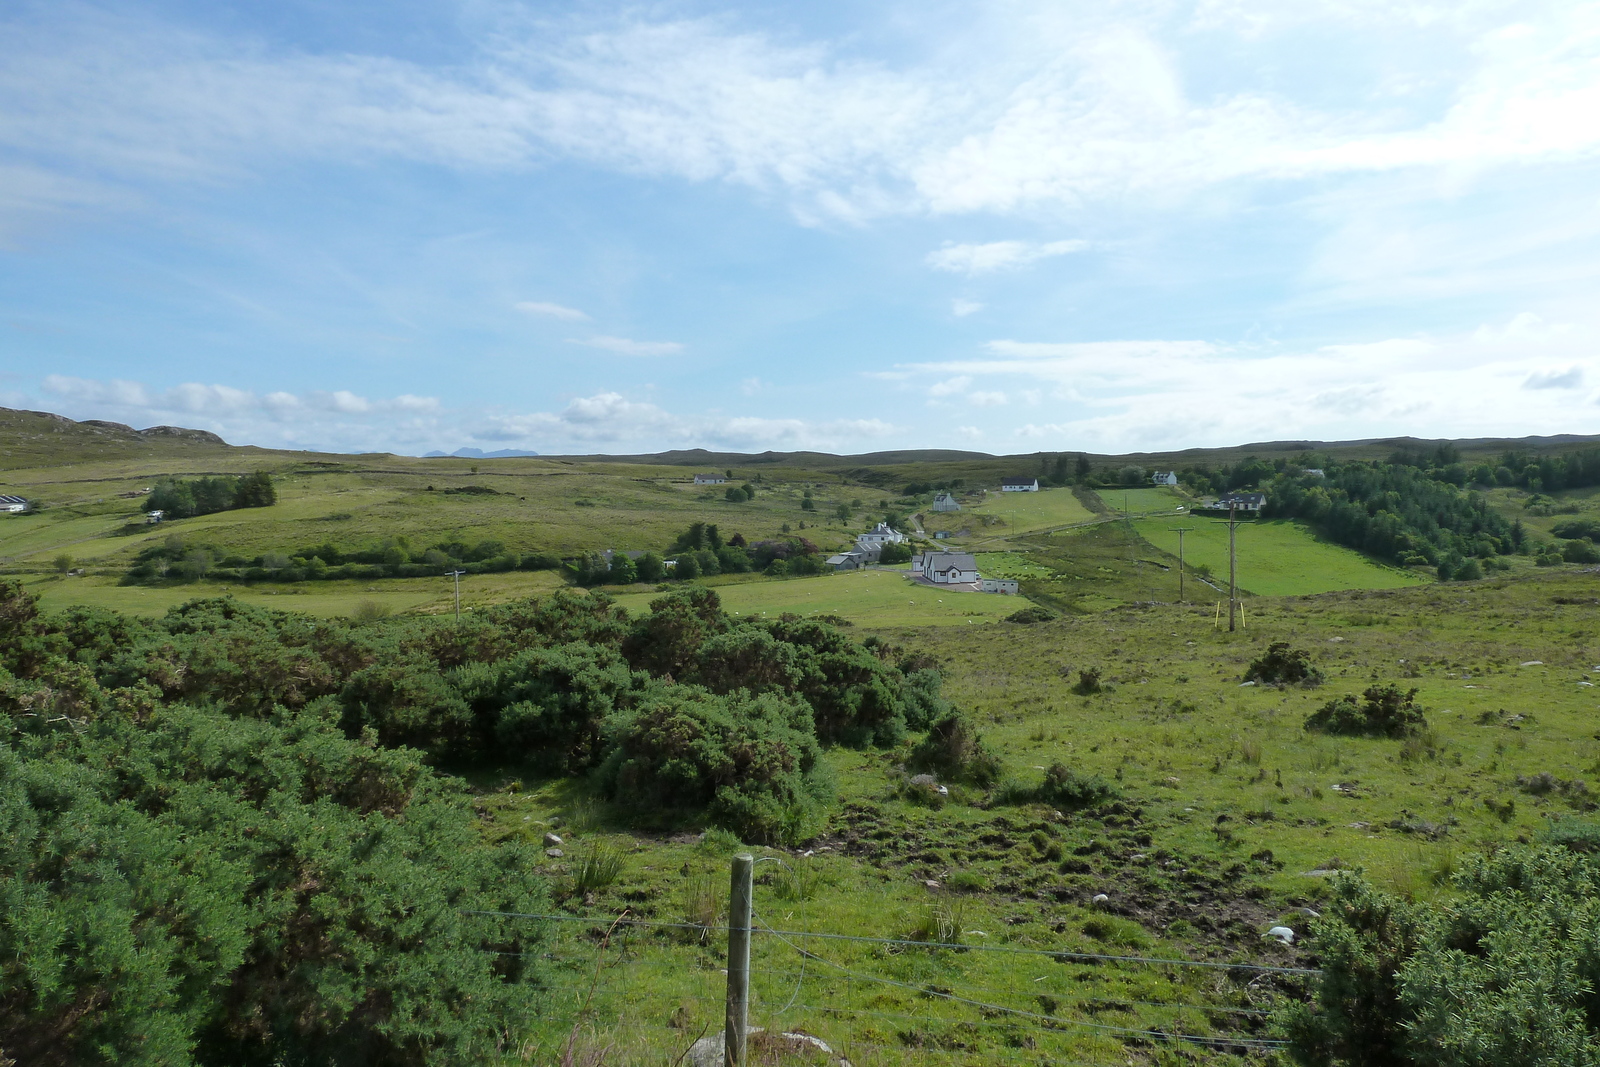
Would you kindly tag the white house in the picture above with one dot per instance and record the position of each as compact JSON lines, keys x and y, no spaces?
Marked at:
{"x":1020,"y":485}
{"x":880,"y":535}
{"x":1007,"y":586}
{"x":13,"y":504}
{"x":947,"y":568}
{"x":945,"y":502}
{"x":1165,"y":477}
{"x":1242,"y":501}
{"x":709,"y":479}
{"x":1315,"y":472}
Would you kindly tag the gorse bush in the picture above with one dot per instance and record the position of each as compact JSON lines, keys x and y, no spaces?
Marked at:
{"x":1063,"y":787}
{"x":222,"y":842}
{"x":1282,"y":665}
{"x":1503,"y":973}
{"x":1383,"y":711}
{"x":955,"y":751}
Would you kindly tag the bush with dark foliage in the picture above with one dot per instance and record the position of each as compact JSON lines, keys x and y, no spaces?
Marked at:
{"x":1383,"y":711}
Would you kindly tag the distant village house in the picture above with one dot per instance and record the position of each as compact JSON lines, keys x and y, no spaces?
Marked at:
{"x":945,"y":502}
{"x":880,"y":535}
{"x":709,"y":479}
{"x":1241,"y":502}
{"x":1165,"y":477}
{"x":1020,"y":485}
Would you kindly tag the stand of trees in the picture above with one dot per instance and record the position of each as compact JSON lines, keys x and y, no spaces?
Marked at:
{"x":181,"y":499}
{"x":180,"y":559}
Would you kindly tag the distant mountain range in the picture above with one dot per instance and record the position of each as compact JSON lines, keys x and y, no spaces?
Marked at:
{"x":478,"y":453}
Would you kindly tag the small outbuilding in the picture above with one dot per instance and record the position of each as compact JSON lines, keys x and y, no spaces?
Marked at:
{"x":1007,"y":586}
{"x":848,"y":561}
{"x":13,"y":505}
{"x":1020,"y":485}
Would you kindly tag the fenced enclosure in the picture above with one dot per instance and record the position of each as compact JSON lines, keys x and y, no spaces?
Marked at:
{"x":623,"y":989}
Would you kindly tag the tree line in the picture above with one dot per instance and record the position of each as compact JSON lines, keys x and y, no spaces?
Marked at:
{"x":179,"y":558}
{"x":179,"y":498}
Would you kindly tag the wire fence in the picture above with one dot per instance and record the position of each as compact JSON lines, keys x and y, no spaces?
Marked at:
{"x":632,"y":989}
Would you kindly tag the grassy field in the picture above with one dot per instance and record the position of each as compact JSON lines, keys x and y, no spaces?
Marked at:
{"x":1277,"y":558}
{"x":1017,"y":513}
{"x":1156,"y":498}
{"x":866,"y":598}
{"x":1230,"y":815}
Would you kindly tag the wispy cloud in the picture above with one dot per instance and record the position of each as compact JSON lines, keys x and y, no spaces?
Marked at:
{"x":553,"y":311}
{"x":627,"y":347}
{"x":962,"y":308}
{"x":997,"y":256}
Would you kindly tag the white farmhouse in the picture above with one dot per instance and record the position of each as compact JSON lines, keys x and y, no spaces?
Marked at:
{"x":947,"y":568}
{"x":709,"y":479}
{"x":880,"y":535}
{"x":1020,"y":485}
{"x":1165,"y":478}
{"x":1242,"y":501}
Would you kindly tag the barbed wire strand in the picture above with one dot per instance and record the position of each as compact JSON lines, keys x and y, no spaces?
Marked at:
{"x":1104,"y":1027}
{"x":1057,"y":954}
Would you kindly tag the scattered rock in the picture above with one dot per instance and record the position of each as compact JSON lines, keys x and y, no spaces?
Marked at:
{"x":1532,"y":663}
{"x":554,"y":822}
{"x":1321,"y":872}
{"x":552,"y":840}
{"x":1100,"y":898}
{"x":1310,"y":913}
{"x":1246,"y":685}
{"x":931,"y":884}
{"x":554,"y":853}
{"x":1335,"y":640}
{"x":1282,"y":933}
{"x":1359,"y":825}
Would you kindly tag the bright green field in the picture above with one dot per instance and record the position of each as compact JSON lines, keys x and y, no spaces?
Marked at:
{"x":1156,"y":498}
{"x":1024,"y":512}
{"x":868,"y":598}
{"x":1277,"y":558}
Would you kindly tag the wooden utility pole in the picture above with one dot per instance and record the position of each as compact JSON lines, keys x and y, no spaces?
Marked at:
{"x":1181,"y":531}
{"x":457,"y":576}
{"x":1233,"y":567}
{"x":738,"y":960}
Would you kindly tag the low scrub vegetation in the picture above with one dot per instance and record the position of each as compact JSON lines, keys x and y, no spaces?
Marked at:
{"x":1382,"y":711}
{"x":1282,"y":665}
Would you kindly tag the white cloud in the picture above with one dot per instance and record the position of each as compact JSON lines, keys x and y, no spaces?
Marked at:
{"x":962,"y":308}
{"x":988,"y":399}
{"x":969,"y":433}
{"x":626,"y":347}
{"x":752,"y":386}
{"x":553,"y":311}
{"x":1053,"y":111}
{"x":950,"y":387}
{"x":997,"y":255}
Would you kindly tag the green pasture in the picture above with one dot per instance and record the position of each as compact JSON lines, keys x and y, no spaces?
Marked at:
{"x":1018,"y":512}
{"x":1276,"y":558}
{"x":866,"y":598}
{"x":1149,"y":500}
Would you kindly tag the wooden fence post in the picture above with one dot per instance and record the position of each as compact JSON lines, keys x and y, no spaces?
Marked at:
{"x":738,"y":959}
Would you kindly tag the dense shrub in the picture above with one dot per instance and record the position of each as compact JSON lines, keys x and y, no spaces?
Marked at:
{"x":955,"y":752}
{"x":1503,"y":973}
{"x":199,"y":889}
{"x":1030,"y":615}
{"x":1282,"y":665}
{"x":1580,"y":551}
{"x":1062,"y":787}
{"x":751,"y":762}
{"x":1575,"y":528}
{"x":1383,"y":711}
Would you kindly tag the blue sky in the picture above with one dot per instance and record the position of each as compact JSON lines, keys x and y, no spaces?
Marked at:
{"x":1011,"y":227}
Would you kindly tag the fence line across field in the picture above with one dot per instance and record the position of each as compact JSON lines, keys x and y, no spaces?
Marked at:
{"x":1058,"y":954}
